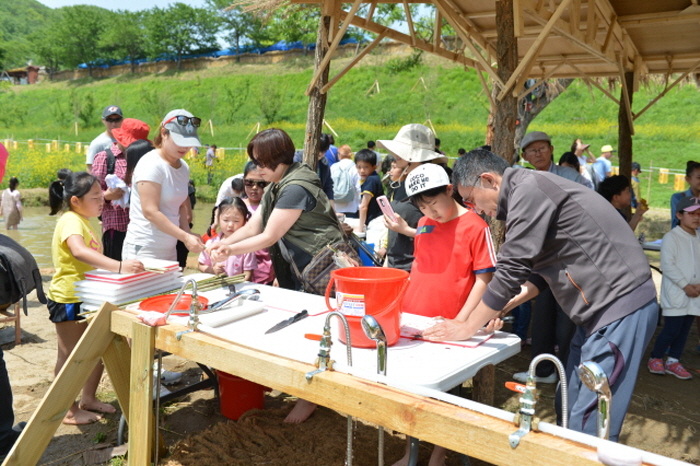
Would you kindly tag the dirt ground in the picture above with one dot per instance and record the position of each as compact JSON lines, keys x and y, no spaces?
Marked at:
{"x":664,"y":417}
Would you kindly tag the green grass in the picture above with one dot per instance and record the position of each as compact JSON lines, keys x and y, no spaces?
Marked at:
{"x":666,"y":135}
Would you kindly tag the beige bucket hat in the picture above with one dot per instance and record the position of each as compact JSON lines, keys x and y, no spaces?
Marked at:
{"x":414,"y":143}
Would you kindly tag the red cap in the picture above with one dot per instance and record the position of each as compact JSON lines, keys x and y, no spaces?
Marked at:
{"x":131,"y":130}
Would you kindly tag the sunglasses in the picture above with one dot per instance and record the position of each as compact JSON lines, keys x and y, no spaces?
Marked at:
{"x":259,"y":184}
{"x":114,"y":120}
{"x":183,"y":120}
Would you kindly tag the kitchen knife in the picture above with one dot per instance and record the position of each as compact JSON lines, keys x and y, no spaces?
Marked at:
{"x":295,"y":318}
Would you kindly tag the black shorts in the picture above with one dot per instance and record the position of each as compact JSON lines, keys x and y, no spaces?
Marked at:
{"x":60,"y":312}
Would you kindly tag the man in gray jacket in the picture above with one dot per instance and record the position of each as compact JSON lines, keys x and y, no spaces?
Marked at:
{"x":564,"y":236}
{"x":554,"y":328}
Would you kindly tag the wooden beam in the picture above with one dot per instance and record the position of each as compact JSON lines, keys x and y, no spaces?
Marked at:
{"x":562,"y":29}
{"x":471,"y":29}
{"x":405,"y":39}
{"x":665,"y":91}
{"x":626,"y":97}
{"x":370,"y":12}
{"x":518,"y":19}
{"x":116,"y":359}
{"x":661,"y":18}
{"x":409,"y":20}
{"x":485,"y":86}
{"x":575,"y":16}
{"x":590,"y":82}
{"x":141,"y":404}
{"x":591,"y":21}
{"x":44,"y":422}
{"x":434,"y":421}
{"x":437,"y":33}
{"x":532,"y":53}
{"x":463,"y":34}
{"x":544,"y":77}
{"x":334,"y":45}
{"x":354,"y":61}
{"x":608,"y":36}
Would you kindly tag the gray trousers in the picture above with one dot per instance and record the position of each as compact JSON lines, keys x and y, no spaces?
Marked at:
{"x":619,"y":349}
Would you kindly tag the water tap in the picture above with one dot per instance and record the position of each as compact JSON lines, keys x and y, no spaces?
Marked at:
{"x":195,"y":307}
{"x":525,"y":418}
{"x":324,"y":361}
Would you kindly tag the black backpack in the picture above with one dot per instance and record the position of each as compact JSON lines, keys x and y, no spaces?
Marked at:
{"x":19,"y":274}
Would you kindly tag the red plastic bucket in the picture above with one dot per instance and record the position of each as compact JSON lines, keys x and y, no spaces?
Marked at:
{"x":237,"y":395}
{"x":376,"y":291}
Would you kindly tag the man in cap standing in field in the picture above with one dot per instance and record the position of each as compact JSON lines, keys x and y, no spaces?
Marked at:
{"x":112,"y":118}
{"x":602,"y":165}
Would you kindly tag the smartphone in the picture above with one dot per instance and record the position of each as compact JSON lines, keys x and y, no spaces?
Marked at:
{"x":385,"y":205}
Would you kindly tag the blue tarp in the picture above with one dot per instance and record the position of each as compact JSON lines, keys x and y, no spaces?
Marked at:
{"x":279,"y":46}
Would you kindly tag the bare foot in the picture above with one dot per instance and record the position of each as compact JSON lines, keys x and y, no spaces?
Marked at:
{"x":437,"y":458}
{"x":403,"y":461}
{"x":301,"y":412}
{"x":98,"y":407}
{"x":77,"y":417}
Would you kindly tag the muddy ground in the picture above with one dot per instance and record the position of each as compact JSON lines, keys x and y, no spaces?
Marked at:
{"x":664,"y":416}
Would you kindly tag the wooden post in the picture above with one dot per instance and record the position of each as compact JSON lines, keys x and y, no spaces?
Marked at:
{"x":624,"y":149}
{"x":317,"y":99}
{"x":117,"y":359}
{"x":41,"y":427}
{"x":506,"y":111}
{"x":140,"y":406}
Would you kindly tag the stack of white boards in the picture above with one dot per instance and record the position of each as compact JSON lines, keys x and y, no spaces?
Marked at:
{"x":101,"y":286}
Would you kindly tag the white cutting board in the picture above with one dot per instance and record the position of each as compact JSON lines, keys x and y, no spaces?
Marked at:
{"x":124,"y":291}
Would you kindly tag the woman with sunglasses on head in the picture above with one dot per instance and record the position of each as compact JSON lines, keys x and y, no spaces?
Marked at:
{"x":160,"y":212}
{"x":293,"y":211}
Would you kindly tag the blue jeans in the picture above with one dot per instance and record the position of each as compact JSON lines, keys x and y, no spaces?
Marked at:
{"x":7,"y":416}
{"x":673,"y":336}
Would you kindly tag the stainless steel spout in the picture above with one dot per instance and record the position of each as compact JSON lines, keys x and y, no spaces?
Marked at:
{"x":375,"y":332}
{"x":593,"y":377}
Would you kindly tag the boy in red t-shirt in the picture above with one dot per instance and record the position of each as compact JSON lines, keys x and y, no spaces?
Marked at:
{"x":454,"y":256}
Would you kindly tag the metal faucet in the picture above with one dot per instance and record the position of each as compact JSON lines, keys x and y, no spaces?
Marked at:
{"x":325,"y":363}
{"x":195,"y":307}
{"x":375,"y":332}
{"x":525,"y":417}
{"x":593,"y":377}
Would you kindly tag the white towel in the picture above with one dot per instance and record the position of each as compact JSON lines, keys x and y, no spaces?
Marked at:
{"x":114,"y":182}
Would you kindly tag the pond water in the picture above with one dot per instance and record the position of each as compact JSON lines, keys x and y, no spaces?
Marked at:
{"x":36,"y":230}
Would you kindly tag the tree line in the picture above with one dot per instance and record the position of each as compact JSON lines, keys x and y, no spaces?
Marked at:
{"x":90,"y":35}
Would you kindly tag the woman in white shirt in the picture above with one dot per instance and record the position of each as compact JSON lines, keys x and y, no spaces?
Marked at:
{"x":160,"y":210}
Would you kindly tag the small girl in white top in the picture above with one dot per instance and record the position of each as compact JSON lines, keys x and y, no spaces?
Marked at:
{"x":680,"y":289}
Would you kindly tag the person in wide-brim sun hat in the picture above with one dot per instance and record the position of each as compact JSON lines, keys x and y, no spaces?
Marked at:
{"x":414,"y":143}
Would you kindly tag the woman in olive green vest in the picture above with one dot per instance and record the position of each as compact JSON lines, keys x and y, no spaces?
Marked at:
{"x":293,"y":210}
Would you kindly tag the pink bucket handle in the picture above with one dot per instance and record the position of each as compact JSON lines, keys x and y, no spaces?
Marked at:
{"x":328,"y":293}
